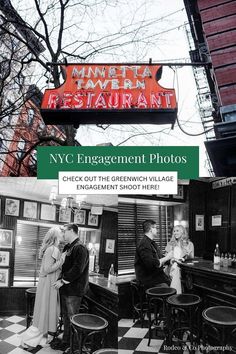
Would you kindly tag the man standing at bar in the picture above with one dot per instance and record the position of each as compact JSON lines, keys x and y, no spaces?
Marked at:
{"x":148,"y":260}
{"x":73,"y":282}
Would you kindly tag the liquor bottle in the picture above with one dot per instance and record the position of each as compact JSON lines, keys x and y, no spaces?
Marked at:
{"x":229,"y":261}
{"x":234,"y":261}
{"x":92,"y":260}
{"x":225,"y":261}
{"x":221,"y":259}
{"x":111,"y":274}
{"x":217,"y":255}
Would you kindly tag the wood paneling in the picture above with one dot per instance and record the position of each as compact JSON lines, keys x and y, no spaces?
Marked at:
{"x":105,"y":303}
{"x":108,"y":231}
{"x":12,"y":301}
{"x":218,"y":203}
{"x":197,"y":206}
{"x":232,"y":241}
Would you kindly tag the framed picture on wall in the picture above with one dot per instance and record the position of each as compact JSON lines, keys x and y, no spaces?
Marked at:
{"x":110,"y":246}
{"x":4,"y":276}
{"x":180,"y":192}
{"x":216,"y":220}
{"x":4,"y":258}
{"x":80,"y":217}
{"x":30,"y":210}
{"x":92,"y":219}
{"x":48,"y":212}
{"x":12,"y":207}
{"x":6,"y":238}
{"x":199,"y":222}
{"x":64,"y":215}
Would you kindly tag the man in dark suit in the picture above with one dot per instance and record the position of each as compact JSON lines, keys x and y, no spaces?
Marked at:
{"x":73,"y":282}
{"x":148,"y":259}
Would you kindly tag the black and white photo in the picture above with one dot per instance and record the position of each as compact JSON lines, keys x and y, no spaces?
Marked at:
{"x":48,"y":212}
{"x":80,"y":217}
{"x":65,"y":215}
{"x":30,"y":210}
{"x":4,"y":258}
{"x":4,"y":276}
{"x":92,"y":219}
{"x":6,"y":238}
{"x":12,"y":207}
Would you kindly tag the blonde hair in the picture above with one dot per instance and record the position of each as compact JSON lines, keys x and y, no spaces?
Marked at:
{"x":184,"y":236}
{"x":50,"y":239}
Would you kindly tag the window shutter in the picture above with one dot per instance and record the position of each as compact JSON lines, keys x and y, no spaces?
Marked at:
{"x":25,"y":252}
{"x":130,"y":231}
{"x":126,"y":236}
{"x":27,"y":262}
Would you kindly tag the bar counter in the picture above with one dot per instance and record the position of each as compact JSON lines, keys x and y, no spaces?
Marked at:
{"x":103,"y":283}
{"x":102,"y":299}
{"x":216,"y":285}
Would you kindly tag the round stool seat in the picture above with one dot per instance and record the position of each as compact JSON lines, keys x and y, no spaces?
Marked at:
{"x":106,"y":351}
{"x":222,"y":315}
{"x":31,"y":291}
{"x":184,"y":300}
{"x":159,"y":291}
{"x":89,"y":322}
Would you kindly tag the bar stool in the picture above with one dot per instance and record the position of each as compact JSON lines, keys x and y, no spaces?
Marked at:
{"x":139,"y":303}
{"x":156,"y":298}
{"x":106,"y":351}
{"x":221,"y":321}
{"x":87,"y":326}
{"x":183,"y":319}
{"x":30,"y":298}
{"x":83,"y":309}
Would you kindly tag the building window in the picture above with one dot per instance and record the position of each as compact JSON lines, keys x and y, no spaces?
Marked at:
{"x":30,"y":115}
{"x":20,"y":148}
{"x":130,"y":232}
{"x":29,"y":237}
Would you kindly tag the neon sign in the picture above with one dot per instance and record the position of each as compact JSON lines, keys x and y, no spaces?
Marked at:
{"x":116,"y":93}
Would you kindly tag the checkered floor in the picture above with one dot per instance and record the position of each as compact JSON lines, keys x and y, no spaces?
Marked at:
{"x":10,"y":330}
{"x":133,"y":339}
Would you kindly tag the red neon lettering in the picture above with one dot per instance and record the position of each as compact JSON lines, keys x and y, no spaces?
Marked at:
{"x":126,"y":100}
{"x":142,"y":102}
{"x":78,"y":99}
{"x":67,"y":99}
{"x":53,"y":101}
{"x":168,"y":96}
{"x":89,"y":99}
{"x":113,"y":101}
{"x":155,"y":100}
{"x":100,"y":101}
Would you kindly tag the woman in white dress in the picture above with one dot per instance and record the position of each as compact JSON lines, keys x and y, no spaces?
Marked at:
{"x":47,"y":306}
{"x":182,"y":249}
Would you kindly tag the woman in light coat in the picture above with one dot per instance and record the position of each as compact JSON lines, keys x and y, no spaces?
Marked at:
{"x":182,"y":249}
{"x":47,"y":305}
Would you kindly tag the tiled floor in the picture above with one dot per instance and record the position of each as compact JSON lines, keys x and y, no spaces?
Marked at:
{"x":10,"y":330}
{"x":132,"y":339}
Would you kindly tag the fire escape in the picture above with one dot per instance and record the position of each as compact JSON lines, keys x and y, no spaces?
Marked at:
{"x":205,"y":98}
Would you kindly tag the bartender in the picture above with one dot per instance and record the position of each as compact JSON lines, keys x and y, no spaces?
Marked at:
{"x":148,"y":259}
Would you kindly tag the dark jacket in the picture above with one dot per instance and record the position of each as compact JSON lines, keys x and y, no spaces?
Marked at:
{"x":75,"y":269}
{"x":147,"y":264}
